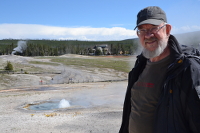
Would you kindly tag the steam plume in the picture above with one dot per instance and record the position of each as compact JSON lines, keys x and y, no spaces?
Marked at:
{"x":21,"y":47}
{"x":63,"y":104}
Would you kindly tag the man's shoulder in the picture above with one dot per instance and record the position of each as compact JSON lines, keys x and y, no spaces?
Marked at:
{"x":194,"y":62}
{"x":187,"y":50}
{"x":192,"y":55}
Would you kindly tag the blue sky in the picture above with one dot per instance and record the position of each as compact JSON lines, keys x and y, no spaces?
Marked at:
{"x":89,"y":19}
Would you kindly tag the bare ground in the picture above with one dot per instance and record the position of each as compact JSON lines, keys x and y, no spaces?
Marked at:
{"x":105,"y":100}
{"x":103,"y":116}
{"x":45,"y":74}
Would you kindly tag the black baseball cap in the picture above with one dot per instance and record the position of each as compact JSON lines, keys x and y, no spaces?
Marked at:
{"x":151,"y":15}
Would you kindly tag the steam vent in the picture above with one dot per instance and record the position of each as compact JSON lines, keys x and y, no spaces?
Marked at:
{"x":56,"y":105}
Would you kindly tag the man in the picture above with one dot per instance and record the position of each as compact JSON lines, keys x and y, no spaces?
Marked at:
{"x":161,"y":95}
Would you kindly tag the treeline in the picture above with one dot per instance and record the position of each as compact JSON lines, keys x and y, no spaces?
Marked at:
{"x":60,"y":47}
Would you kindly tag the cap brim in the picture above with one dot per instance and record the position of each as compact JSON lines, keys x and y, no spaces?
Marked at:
{"x":150,"y":21}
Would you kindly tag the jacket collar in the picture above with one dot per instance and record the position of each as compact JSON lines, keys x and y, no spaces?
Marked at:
{"x":175,"y":49}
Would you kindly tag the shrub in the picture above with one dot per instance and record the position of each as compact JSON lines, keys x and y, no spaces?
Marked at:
{"x":9,"y":66}
{"x":25,"y":72}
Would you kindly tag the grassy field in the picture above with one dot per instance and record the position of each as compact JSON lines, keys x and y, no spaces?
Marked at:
{"x":31,"y":70}
{"x":119,"y":63}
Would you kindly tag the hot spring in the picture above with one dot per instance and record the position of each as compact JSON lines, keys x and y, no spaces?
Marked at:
{"x":56,"y":104}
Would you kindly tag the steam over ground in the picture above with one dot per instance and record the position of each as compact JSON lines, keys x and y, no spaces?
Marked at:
{"x":18,"y":91}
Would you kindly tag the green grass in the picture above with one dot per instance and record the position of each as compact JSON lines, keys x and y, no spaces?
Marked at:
{"x":98,"y":62}
{"x":27,"y":68}
{"x":118,"y":63}
{"x":43,"y":63}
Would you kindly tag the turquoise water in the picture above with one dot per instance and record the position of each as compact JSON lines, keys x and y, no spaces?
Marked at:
{"x":50,"y":105}
{"x":59,"y":104}
{"x":45,"y":106}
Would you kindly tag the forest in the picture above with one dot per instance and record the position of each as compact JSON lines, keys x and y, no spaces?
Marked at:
{"x":60,"y":47}
{"x":45,"y":47}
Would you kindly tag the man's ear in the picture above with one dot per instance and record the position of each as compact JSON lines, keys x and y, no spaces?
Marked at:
{"x":168,"y":29}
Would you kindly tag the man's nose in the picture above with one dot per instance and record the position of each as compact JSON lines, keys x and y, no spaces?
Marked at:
{"x":148,"y":34}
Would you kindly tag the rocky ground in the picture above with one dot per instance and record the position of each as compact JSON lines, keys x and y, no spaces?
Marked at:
{"x":96,"y":108}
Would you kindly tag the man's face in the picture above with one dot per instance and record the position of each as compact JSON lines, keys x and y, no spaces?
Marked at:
{"x":153,"y":43}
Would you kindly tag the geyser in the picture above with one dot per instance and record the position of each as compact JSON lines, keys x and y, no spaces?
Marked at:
{"x":63,"y":104}
{"x":21,"y":47}
{"x":48,"y":105}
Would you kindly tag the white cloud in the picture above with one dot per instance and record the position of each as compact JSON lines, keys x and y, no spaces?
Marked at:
{"x":185,"y":29}
{"x":32,"y":31}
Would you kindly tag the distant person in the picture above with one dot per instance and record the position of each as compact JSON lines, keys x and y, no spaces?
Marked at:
{"x":161,"y":96}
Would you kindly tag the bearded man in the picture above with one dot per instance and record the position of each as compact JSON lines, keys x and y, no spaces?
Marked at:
{"x":161,"y":95}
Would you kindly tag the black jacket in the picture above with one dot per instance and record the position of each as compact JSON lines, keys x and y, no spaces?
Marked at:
{"x":178,"y":109}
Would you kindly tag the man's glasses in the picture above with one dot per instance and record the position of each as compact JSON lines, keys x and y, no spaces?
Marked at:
{"x":153,"y":30}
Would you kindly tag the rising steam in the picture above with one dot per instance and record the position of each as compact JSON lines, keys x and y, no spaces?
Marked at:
{"x":21,"y":47}
{"x":63,"y":104}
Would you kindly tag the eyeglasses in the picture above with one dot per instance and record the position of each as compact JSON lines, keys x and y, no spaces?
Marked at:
{"x":153,"y":30}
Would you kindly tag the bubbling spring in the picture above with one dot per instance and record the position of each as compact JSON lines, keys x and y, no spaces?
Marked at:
{"x":57,"y":104}
{"x":49,"y":105}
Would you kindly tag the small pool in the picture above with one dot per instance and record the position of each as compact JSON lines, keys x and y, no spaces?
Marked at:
{"x":55,"y":104}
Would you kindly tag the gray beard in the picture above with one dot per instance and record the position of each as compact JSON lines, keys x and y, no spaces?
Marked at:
{"x":151,"y":54}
